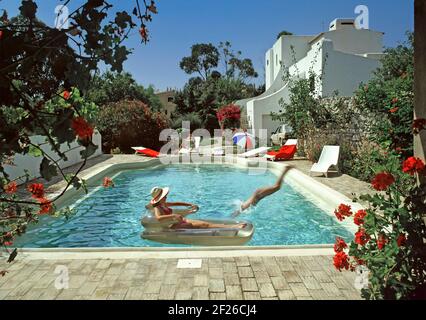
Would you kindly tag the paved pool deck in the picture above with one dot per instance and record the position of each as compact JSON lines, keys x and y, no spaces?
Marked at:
{"x":282,"y":274}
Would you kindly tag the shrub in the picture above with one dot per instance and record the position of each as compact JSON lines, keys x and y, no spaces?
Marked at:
{"x":391,"y":239}
{"x":126,"y":124}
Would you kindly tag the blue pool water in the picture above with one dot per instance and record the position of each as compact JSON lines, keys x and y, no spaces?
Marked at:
{"x":111,"y":217}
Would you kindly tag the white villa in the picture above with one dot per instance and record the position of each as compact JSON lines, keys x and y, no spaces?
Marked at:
{"x":344,"y":55}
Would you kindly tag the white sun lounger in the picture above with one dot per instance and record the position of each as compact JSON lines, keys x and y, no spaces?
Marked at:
{"x":329,"y":158}
{"x":255,"y":152}
{"x":291,"y":142}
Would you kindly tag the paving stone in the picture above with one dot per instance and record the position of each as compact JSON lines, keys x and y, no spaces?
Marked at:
{"x":230,"y":267}
{"x":183,"y":295}
{"x":216,"y":273}
{"x":134,"y":293}
{"x":21,"y":290}
{"x":279,"y":283}
{"x":167,"y":292}
{"x":299,"y":290}
{"x":254,"y":296}
{"x":152,"y":287}
{"x":321,"y":276}
{"x":45,"y":282}
{"x":311,"y":283}
{"x":32,"y":294}
{"x":318,"y":294}
{"x":330,"y":289}
{"x":341,"y":282}
{"x":76,"y":265}
{"x":103,"y":264}
{"x":245,"y":272}
{"x":270,"y":298}
{"x":215,"y":262}
{"x":262,"y":277}
{"x":286,"y":295}
{"x":285,"y":264}
{"x":88,"y":288}
{"x":272,"y":266}
{"x":201,"y":280}
{"x":267,"y":290}
{"x":242,"y":261}
{"x":249,"y":284}
{"x":351,"y":294}
{"x":185,"y":284}
{"x":67,"y":294}
{"x":231,"y":279}
{"x":216,"y":285}
{"x":171,"y":278}
{"x":200,"y":293}
{"x":217,"y":295}
{"x":3,"y":293}
{"x":149,"y":296}
{"x":76,"y":282}
{"x":291,"y":277}
{"x":116,"y":296}
{"x":107,"y":281}
{"x":49,"y":294}
{"x":131,"y":265}
{"x":234,"y":293}
{"x":304,"y":298}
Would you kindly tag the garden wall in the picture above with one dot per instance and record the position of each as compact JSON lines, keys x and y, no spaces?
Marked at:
{"x":32,"y":164}
{"x":346,"y":128}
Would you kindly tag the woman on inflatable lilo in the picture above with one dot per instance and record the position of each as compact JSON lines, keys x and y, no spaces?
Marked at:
{"x":164,"y":212}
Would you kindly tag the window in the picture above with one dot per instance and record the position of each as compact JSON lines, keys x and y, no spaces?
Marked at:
{"x":165,"y":111}
{"x":170,"y":99}
{"x":267,"y":62}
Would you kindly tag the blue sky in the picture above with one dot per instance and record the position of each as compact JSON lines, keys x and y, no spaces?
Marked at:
{"x":251,"y":26}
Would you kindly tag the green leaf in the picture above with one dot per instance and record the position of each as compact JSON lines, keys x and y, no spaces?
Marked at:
{"x":47,"y":170}
{"x":34,"y":151}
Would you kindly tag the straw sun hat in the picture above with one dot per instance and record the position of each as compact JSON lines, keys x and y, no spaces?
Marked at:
{"x":157,"y":194}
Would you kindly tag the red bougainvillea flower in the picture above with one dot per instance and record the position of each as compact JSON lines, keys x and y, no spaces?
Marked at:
{"x":343,"y":211}
{"x":45,"y":206}
{"x":381,"y":241}
{"x":66,"y":95}
{"x":393,"y":110}
{"x":11,"y":187}
{"x":361,"y":237}
{"x":359,"y":217}
{"x":413,"y":165}
{"x":82,"y":128}
{"x":37,"y":190}
{"x":382,"y":181}
{"x":340,"y":245}
{"x":395,"y":100}
{"x":230,"y":111}
{"x":341,"y":261}
{"x":419,"y":125}
{"x":108,"y":182}
{"x":401,"y":240}
{"x":8,"y":243}
{"x":359,"y":262}
{"x":398,"y":150}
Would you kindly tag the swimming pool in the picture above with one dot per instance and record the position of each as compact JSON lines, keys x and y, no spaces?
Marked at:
{"x":111,"y":217}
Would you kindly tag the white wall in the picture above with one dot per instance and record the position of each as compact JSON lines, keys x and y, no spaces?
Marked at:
{"x":32,"y":164}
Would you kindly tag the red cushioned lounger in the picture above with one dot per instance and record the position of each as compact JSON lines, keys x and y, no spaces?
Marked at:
{"x":285,"y":153}
{"x":148,"y":152}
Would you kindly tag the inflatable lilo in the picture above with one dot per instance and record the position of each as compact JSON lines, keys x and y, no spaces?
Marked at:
{"x":167,"y":225}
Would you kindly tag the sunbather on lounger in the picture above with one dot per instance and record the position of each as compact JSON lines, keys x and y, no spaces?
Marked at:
{"x":261,"y":193}
{"x":163,"y":212}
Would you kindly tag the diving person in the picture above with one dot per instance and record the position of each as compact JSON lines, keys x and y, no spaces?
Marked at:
{"x":261,"y":193}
